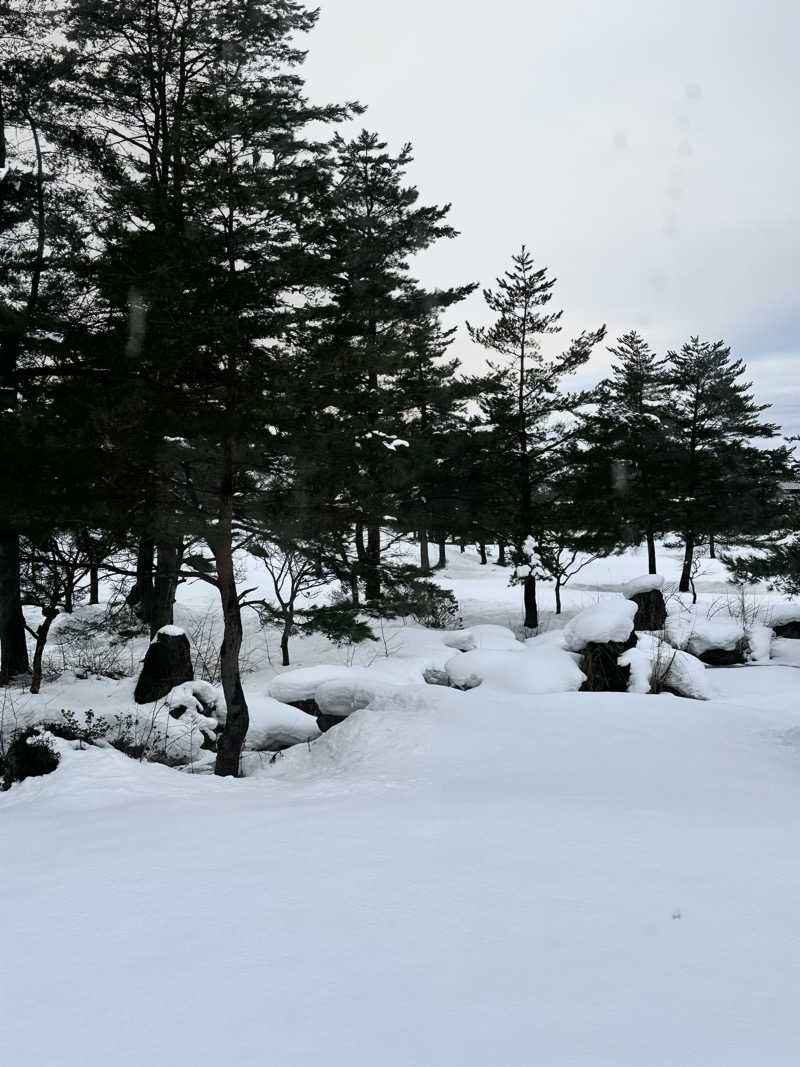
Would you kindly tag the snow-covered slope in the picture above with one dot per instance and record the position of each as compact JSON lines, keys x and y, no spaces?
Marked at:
{"x":460,"y":879}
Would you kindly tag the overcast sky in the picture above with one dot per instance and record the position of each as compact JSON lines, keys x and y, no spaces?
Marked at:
{"x":645,"y":151}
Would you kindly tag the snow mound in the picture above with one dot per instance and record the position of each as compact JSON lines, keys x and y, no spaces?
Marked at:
{"x":274,"y":725}
{"x":759,"y":643}
{"x":302,"y":683}
{"x":543,"y":670}
{"x":170,"y":631}
{"x":788,"y":611}
{"x":610,"y":620}
{"x":488,"y":636}
{"x":646,"y":583}
{"x":343,"y":696}
{"x":714,"y":633}
{"x":680,"y":671}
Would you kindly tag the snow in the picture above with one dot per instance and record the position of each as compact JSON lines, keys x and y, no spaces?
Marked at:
{"x":783,"y":612}
{"x":505,"y":875}
{"x":609,"y":620}
{"x":679,"y":670}
{"x":714,"y":633}
{"x":759,"y":643}
{"x":196,"y":696}
{"x":588,"y":879}
{"x":537,"y":670}
{"x":645,"y":583}
{"x":274,"y":725}
{"x":485,"y":636}
{"x":170,"y":631}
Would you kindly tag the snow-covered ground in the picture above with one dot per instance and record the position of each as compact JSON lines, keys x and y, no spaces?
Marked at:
{"x":448,"y":878}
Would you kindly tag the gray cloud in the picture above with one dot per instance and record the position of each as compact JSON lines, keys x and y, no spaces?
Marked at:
{"x":646,"y":151}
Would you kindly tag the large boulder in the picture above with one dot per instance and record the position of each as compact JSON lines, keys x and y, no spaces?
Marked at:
{"x":167,"y":664}
{"x":646,"y":593}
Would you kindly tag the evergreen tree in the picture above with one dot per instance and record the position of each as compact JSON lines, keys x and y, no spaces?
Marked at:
{"x":629,"y":430}
{"x":195,"y":118}
{"x":370,"y":354}
{"x":720,"y":482}
{"x":524,"y":397}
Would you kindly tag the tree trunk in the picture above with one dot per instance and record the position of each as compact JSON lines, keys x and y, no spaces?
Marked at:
{"x":140,"y":597}
{"x":442,"y":554}
{"x":651,"y":551}
{"x":462,"y":547}
{"x":94,"y":583}
{"x":14,"y":647}
{"x":38,"y":653}
{"x":531,"y":609}
{"x":482,"y":550}
{"x":688,"y":556}
{"x":558,"y":596}
{"x":424,"y":556}
{"x":373,"y":577}
{"x":712,"y":546}
{"x":501,"y":554}
{"x":285,"y":644}
{"x":168,"y":557}
{"x":69,"y":595}
{"x":231,"y":740}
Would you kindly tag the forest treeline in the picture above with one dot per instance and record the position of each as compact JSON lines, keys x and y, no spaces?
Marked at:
{"x":212,"y":340}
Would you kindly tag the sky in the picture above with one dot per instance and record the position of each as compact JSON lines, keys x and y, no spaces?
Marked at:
{"x":645,"y":151}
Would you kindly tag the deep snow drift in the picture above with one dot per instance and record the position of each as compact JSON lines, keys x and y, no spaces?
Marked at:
{"x":453,"y":878}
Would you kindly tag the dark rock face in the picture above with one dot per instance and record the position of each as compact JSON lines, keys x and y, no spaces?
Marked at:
{"x":603,"y":672}
{"x":26,"y":757}
{"x":788,"y":629}
{"x":651,"y":611}
{"x":325,"y":722}
{"x":168,"y":663}
{"x":722,"y":657}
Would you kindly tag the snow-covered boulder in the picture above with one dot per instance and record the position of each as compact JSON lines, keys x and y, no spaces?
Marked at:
{"x":655,"y":666}
{"x":651,"y":609}
{"x":275,"y":726}
{"x":196,"y":696}
{"x":340,"y":697}
{"x":717,"y":642}
{"x":606,"y":621}
{"x":299,"y":687}
{"x":536,"y":670}
{"x":488,"y":636}
{"x":785,"y":620}
{"x":645,"y":583}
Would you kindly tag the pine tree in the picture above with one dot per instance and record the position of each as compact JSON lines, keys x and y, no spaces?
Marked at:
{"x":195,"y":119}
{"x":524,"y":394}
{"x":712,"y":417}
{"x":372,"y":346}
{"x":629,"y":430}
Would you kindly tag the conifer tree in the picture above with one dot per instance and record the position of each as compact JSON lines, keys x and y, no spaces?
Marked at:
{"x":374,"y":343}
{"x":628,"y":429}
{"x":712,"y":417}
{"x":524,"y":395}
{"x":195,"y":118}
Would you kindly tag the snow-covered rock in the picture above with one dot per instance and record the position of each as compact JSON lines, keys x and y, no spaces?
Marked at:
{"x":487,"y":636}
{"x":275,"y":726}
{"x":716,"y":633}
{"x":536,"y":670}
{"x":645,"y":583}
{"x":197,"y":696}
{"x":340,"y":697}
{"x":680,"y":671}
{"x":788,"y":611}
{"x":608,"y":620}
{"x":301,"y":684}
